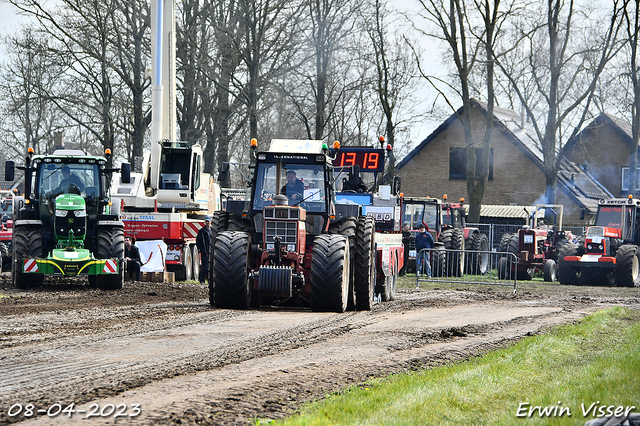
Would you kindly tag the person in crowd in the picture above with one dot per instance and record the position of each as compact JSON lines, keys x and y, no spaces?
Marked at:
{"x":202,"y":242}
{"x":406,"y":241}
{"x":132,"y":258}
{"x":424,"y":240}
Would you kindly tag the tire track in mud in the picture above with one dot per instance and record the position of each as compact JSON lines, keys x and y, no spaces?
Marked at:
{"x":81,"y":368}
{"x":191,"y":364}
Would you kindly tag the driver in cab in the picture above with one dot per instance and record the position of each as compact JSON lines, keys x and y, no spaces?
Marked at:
{"x":294,"y":188}
{"x":68,"y":180}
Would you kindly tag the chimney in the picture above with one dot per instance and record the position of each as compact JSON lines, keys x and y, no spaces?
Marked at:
{"x":58,"y":140}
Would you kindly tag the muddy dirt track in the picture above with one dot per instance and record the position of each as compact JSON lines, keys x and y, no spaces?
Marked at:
{"x":159,"y":354}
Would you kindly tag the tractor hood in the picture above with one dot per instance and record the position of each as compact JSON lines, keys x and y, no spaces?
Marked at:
{"x":68,"y":202}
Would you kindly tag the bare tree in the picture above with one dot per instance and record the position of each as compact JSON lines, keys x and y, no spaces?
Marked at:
{"x":331,"y":22}
{"x":554,"y":72}
{"x":394,"y":68}
{"x":453,"y":22}
{"x":29,"y":117}
{"x":631,"y":22}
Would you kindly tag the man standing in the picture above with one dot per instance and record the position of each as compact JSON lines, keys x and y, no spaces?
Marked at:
{"x":132,"y":258}
{"x":406,"y":241}
{"x":294,"y":188}
{"x":202,"y":242}
{"x":424,"y":240}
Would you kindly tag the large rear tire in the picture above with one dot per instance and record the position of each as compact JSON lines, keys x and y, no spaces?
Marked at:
{"x":503,"y":246}
{"x":330,"y":273}
{"x":348,"y":228}
{"x":627,"y":269}
{"x":364,"y":269}
{"x":27,"y":242}
{"x":453,"y":240}
{"x":110,"y":245}
{"x":218,"y":224}
{"x":231,"y":285}
{"x":438,"y":261}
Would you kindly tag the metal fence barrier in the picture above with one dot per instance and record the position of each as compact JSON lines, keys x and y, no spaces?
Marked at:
{"x":467,"y":267}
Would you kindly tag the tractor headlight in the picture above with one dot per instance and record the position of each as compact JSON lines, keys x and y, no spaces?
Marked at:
{"x":80,"y":213}
{"x":61,"y":213}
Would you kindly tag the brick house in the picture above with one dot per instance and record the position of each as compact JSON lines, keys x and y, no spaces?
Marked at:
{"x":603,"y":148}
{"x":437,"y":166}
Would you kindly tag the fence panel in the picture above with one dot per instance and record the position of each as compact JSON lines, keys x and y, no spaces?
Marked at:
{"x":467,"y":267}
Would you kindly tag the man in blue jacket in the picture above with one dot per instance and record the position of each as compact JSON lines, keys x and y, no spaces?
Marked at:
{"x":424,"y":240}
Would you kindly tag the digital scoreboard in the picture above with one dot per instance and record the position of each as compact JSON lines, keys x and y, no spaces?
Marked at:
{"x":369,"y":159}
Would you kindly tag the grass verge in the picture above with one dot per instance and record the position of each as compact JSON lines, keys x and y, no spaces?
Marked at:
{"x":565,"y":371}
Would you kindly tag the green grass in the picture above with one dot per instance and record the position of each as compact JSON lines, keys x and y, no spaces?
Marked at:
{"x":596,"y":359}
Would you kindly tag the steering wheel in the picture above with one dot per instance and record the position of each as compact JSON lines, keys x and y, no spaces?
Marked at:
{"x":298,"y":199}
{"x":68,"y":188}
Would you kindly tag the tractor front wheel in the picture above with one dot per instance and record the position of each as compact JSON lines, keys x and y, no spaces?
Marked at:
{"x":549,"y":270}
{"x":627,"y":269}
{"x":110,"y":245}
{"x":478,"y":263}
{"x":231,"y":284}
{"x":330,"y":273}
{"x":27,"y":242}
{"x":567,"y":274}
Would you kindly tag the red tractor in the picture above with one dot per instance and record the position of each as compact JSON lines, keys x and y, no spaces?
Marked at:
{"x":446,"y":222}
{"x":610,"y":252}
{"x":292,"y":243}
{"x":536,"y":245}
{"x":6,"y":228}
{"x":453,"y":215}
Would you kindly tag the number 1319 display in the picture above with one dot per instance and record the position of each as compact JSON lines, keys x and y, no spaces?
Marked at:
{"x":369,"y":159}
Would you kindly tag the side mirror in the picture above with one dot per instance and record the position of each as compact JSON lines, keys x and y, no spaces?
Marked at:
{"x":396,"y":185}
{"x":125,"y":173}
{"x":9,"y":170}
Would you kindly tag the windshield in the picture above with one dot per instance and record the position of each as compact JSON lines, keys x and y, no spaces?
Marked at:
{"x":617,"y":217}
{"x":57,"y":178}
{"x":414,"y":214}
{"x":303,"y":184}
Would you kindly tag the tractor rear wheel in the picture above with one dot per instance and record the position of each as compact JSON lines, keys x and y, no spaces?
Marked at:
{"x":330,"y":273}
{"x":27,"y":242}
{"x":438,"y":261}
{"x":503,"y":246}
{"x":218,"y":224}
{"x":627,"y":269}
{"x":348,"y":228}
{"x":549,"y":270}
{"x":567,"y":274}
{"x":478,"y":263}
{"x":231,"y":284}
{"x":365,"y":263}
{"x":110,"y":245}
{"x":453,"y":240}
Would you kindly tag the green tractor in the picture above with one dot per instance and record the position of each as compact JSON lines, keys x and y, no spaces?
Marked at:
{"x":65,"y":224}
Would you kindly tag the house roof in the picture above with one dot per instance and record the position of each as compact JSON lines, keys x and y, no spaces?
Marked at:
{"x":620,"y":126}
{"x":510,"y":212}
{"x":579,"y":185}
